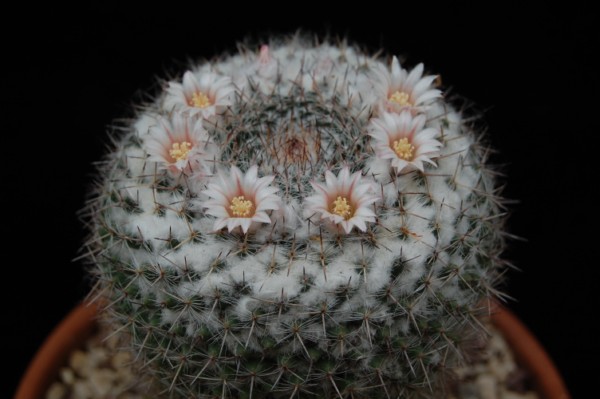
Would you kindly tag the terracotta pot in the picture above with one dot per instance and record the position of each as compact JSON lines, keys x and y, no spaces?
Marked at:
{"x":69,"y":335}
{"x":72,"y":332}
{"x":530,"y":353}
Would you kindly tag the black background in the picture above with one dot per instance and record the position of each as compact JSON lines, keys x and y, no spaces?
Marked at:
{"x":531,"y":71}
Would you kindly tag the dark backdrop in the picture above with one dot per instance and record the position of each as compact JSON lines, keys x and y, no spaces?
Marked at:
{"x":530,"y":71}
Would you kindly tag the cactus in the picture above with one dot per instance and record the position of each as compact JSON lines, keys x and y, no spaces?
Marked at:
{"x":300,"y":221}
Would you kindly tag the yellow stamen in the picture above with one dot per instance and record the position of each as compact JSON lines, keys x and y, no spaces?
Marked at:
{"x":342,"y":208}
{"x":401,"y":98}
{"x":404,"y":149}
{"x":180,"y":151}
{"x":199,"y":100}
{"x":241,"y":207}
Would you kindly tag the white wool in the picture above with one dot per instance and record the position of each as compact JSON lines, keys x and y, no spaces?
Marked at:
{"x":203,"y":256}
{"x":116,"y":217}
{"x":463,"y":227}
{"x":338,"y":273}
{"x":142,"y":195}
{"x":390,"y":226}
{"x":437,"y":116}
{"x":150,"y":228}
{"x":406,"y":184}
{"x":376,"y":276}
{"x":203,"y":225}
{"x":251,"y":270}
{"x":244,"y":310}
{"x":186,"y":291}
{"x":447,"y":204}
{"x":247,"y":271}
{"x":169,"y":317}
{"x":287,"y":219}
{"x":303,"y":267}
{"x":456,"y":149}
{"x":136,"y":161}
{"x":426,"y":238}
{"x":466,"y":181}
{"x":454,"y":118}
{"x":413,"y":270}
{"x":275,"y":286}
{"x":445,"y":235}
{"x":143,"y":124}
{"x":390,"y":247}
{"x":204,"y":69}
{"x":419,"y":212}
{"x":380,"y":170}
{"x":213,"y":283}
{"x":355,"y":252}
{"x":449,"y":289}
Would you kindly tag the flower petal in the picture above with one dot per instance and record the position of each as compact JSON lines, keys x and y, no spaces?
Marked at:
{"x":190,"y":84}
{"x":245,"y":223}
{"x":261,"y":217}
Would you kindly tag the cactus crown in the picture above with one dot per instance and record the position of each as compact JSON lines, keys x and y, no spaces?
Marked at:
{"x":302,"y":221}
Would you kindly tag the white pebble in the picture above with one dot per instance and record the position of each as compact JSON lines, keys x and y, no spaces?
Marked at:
{"x":81,"y":390}
{"x":67,"y":376}
{"x":80,"y":363}
{"x":97,"y":356}
{"x":120,"y":360}
{"x":487,"y":386}
{"x":501,"y":368}
{"x":102,"y":381}
{"x":56,"y":391}
{"x":517,"y":395}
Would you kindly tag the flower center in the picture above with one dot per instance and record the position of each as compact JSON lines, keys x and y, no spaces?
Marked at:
{"x":180,"y":151}
{"x":341,"y":207}
{"x":241,"y":207}
{"x":404,"y":149}
{"x":199,"y":100}
{"x":401,"y":98}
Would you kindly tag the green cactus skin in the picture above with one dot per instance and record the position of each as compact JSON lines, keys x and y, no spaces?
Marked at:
{"x":305,"y":303}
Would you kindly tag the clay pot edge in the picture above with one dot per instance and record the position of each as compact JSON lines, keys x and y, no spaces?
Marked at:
{"x":80,"y":323}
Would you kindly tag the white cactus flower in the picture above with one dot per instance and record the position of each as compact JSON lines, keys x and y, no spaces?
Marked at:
{"x":206,"y":96}
{"x":180,"y":144}
{"x":401,"y":90}
{"x":404,"y":139}
{"x":241,"y":199}
{"x":343,"y":200}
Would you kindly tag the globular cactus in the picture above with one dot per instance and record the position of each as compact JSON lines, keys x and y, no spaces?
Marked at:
{"x":298,"y":221}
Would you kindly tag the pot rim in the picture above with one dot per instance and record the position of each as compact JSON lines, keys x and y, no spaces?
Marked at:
{"x":530,"y":353}
{"x":81,"y":322}
{"x":54,"y":352}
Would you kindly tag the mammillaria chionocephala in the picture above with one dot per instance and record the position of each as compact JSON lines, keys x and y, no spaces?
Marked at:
{"x":296,"y":221}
